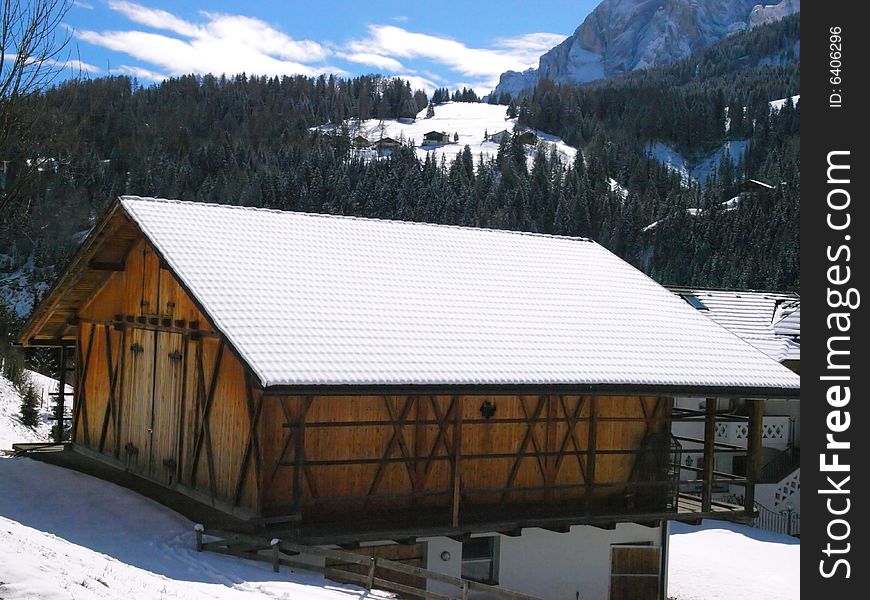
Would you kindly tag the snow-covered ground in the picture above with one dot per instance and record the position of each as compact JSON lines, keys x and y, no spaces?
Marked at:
{"x":65,"y":535}
{"x":778,"y":104}
{"x":470,"y":120}
{"x":16,"y":290}
{"x":11,"y":429}
{"x":725,"y":561}
{"x":697,"y":169}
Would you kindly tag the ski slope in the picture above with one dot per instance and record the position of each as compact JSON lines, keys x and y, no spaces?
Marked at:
{"x":470,"y":120}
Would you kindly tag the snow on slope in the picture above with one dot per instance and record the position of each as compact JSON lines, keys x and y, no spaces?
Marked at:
{"x":776,"y":105}
{"x":16,"y":291}
{"x":65,"y":535}
{"x":11,"y":429}
{"x":470,"y":120}
{"x":700,"y":168}
{"x":726,"y":561}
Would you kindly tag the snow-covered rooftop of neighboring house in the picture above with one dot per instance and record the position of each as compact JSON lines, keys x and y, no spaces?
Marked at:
{"x":770,"y":321}
{"x":327,"y":300}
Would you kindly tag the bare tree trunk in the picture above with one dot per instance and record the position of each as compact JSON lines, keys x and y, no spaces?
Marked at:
{"x":33,"y":52}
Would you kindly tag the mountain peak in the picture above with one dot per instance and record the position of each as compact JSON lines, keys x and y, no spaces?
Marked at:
{"x":622,"y":35}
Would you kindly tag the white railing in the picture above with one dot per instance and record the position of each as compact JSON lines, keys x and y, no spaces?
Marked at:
{"x":787,"y":489}
{"x":775,"y":432}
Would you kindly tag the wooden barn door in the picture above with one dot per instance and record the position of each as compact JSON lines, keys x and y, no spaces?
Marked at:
{"x":153,"y":403}
{"x":166,"y":407}
{"x":634,"y":572}
{"x":136,"y":413}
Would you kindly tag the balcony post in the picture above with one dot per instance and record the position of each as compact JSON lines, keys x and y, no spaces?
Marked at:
{"x":709,"y":455}
{"x":753,"y":455}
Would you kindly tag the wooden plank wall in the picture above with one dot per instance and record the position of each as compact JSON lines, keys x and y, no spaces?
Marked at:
{"x":151,"y":419}
{"x":395,"y":452}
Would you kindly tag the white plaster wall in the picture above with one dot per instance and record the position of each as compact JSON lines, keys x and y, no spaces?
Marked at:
{"x":433,"y":562}
{"x":558,"y":566}
{"x":553,"y":566}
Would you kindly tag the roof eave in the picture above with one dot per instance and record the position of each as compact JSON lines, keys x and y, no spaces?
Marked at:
{"x":28,"y":335}
{"x":601,"y":389}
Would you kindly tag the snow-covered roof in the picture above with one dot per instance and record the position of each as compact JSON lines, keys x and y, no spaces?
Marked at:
{"x":319,"y":300}
{"x":770,"y":321}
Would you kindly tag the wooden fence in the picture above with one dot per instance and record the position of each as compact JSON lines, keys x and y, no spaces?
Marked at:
{"x":279,"y":552}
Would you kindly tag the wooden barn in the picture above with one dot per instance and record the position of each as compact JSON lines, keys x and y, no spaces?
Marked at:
{"x":380,"y":380}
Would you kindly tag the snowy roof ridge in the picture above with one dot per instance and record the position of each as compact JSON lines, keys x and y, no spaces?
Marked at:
{"x":347,"y":301}
{"x":356,"y":218}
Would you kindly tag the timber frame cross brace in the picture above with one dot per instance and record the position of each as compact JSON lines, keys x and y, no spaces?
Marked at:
{"x":205,"y":398}
{"x":113,"y":371}
{"x":254,"y":404}
{"x":80,"y":412}
{"x":295,"y":433}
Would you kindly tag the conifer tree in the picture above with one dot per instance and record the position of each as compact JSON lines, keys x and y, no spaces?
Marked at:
{"x":30,"y":407}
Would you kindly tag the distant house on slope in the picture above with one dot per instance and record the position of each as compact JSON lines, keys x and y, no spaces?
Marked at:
{"x":493,"y":405}
{"x":523,"y":137}
{"x":769,"y":321}
{"x":435,"y":137}
{"x":498,"y":136}
{"x":386,"y":145}
{"x":360,"y":142}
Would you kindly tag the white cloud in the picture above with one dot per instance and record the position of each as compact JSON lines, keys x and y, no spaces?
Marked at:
{"x":140,"y":73}
{"x":419,"y":83}
{"x":165,"y":43}
{"x":85,"y":5}
{"x":484,"y":65}
{"x":528,"y":48}
{"x":221,"y":43}
{"x":154,"y":17}
{"x":383,"y":63}
{"x":73,"y":64}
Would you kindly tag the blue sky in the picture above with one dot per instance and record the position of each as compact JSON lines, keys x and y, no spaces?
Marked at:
{"x":433,"y":44}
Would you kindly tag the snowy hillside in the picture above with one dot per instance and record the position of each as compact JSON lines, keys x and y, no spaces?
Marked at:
{"x":89,"y":539}
{"x":724,"y":561}
{"x":697,"y":169}
{"x":16,"y":291}
{"x":470,"y":120}
{"x":11,"y":429}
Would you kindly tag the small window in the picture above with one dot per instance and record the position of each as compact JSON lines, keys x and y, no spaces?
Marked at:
{"x":694,"y":301}
{"x":479,"y":560}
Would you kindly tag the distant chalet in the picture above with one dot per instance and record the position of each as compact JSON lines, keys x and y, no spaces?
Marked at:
{"x":360,"y":142}
{"x":436,"y":137}
{"x":525,"y":137}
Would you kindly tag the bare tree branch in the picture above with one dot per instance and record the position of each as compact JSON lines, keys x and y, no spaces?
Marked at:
{"x":33,"y":52}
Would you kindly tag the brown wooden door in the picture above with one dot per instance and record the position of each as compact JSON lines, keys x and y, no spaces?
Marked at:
{"x":166,"y":407}
{"x":634,"y":572}
{"x":136,"y":410}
